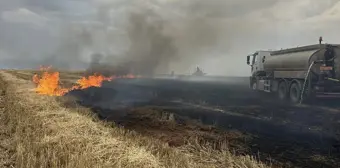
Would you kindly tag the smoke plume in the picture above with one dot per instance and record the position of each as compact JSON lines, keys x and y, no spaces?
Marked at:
{"x":158,"y":43}
{"x":158,"y":36}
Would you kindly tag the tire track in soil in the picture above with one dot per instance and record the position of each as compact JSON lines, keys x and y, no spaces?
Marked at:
{"x":7,"y":148}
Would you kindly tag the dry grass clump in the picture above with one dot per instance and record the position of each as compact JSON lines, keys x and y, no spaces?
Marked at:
{"x":49,"y":135}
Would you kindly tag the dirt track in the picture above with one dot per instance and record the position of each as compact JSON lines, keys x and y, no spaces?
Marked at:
{"x":300,"y":135}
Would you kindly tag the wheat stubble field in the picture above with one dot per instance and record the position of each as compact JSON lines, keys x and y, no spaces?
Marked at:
{"x":41,"y":131}
{"x":129,"y":121}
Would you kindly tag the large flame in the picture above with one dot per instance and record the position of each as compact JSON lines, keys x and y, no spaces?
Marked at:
{"x":48,"y":83}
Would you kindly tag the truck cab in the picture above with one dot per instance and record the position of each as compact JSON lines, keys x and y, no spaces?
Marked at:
{"x":256,"y":61}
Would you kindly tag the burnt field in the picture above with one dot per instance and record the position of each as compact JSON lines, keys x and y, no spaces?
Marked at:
{"x":298,"y":135}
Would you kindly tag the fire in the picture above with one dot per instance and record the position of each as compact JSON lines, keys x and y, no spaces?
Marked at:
{"x":48,"y":83}
{"x":129,"y":76}
{"x":35,"y":78}
{"x":95,"y":80}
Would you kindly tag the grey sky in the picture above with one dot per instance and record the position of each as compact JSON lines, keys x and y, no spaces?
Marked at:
{"x":214,"y":34}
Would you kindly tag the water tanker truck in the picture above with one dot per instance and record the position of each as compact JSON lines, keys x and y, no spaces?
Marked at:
{"x":297,"y":74}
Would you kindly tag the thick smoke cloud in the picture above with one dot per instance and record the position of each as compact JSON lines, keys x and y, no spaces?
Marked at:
{"x":173,"y":37}
{"x":158,"y":36}
{"x":163,"y":41}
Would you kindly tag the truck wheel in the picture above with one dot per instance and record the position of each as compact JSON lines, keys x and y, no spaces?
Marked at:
{"x":295,"y":93}
{"x":283,"y":91}
{"x":254,"y":86}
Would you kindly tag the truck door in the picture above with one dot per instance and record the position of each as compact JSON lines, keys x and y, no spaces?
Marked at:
{"x":255,"y":63}
{"x":259,"y":60}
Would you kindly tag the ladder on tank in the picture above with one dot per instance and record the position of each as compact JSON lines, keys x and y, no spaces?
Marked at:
{"x":266,"y":85}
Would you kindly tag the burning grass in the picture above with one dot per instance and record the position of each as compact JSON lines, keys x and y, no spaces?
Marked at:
{"x":49,"y":135}
{"x":49,"y":82}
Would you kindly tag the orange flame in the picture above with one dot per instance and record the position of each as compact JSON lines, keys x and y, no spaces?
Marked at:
{"x":48,"y":83}
{"x":95,"y":80}
{"x":129,"y":76}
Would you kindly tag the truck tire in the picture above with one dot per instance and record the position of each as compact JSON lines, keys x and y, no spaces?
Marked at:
{"x":283,"y":90}
{"x":295,"y":93}
{"x":254,"y":86}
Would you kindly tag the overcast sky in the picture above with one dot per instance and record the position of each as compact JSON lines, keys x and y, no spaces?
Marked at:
{"x":43,"y":31}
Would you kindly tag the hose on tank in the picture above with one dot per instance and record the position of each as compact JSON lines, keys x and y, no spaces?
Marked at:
{"x":305,"y":81}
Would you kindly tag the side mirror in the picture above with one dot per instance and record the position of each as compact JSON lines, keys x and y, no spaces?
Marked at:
{"x":248,"y":59}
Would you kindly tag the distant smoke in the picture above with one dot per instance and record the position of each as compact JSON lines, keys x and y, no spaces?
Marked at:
{"x":158,"y":36}
{"x":159,"y":45}
{"x":140,"y":37}
{"x":151,"y":50}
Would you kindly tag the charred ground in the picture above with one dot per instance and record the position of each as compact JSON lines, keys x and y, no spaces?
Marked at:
{"x":303,"y":135}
